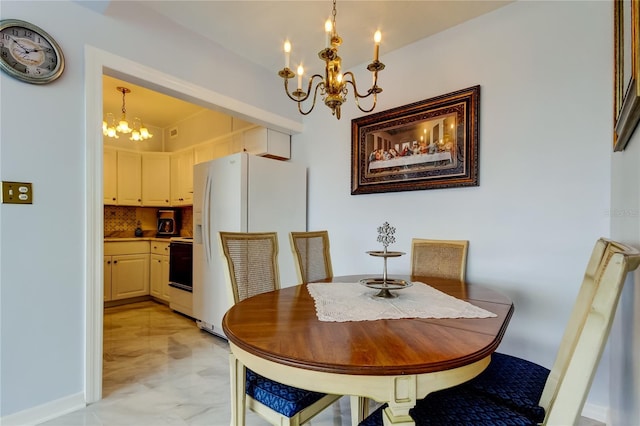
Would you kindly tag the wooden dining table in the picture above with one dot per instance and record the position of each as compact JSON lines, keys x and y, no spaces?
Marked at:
{"x":397,"y":361}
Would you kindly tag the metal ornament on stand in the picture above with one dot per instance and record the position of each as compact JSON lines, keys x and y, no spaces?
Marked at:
{"x":384,"y":284}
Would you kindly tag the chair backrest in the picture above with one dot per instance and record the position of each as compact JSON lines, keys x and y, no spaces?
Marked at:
{"x":439,"y":258}
{"x":586,"y":334}
{"x":252,"y":263}
{"x":311,"y":255}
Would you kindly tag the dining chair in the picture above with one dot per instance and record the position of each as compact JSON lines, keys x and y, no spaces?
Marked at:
{"x":439,"y":258}
{"x":516,"y":391}
{"x":313,"y":263}
{"x":311,"y":254}
{"x":252,"y":268}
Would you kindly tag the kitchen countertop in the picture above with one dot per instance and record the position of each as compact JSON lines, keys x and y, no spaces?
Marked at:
{"x":122,"y":236}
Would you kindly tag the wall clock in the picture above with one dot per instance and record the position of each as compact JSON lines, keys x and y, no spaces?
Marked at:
{"x":28,"y":53}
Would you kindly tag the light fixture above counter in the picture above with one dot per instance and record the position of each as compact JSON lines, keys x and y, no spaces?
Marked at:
{"x":137,"y":130}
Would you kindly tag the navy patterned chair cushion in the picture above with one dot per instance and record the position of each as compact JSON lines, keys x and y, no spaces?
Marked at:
{"x":514,"y":382}
{"x":284,"y":399}
{"x":457,"y":406}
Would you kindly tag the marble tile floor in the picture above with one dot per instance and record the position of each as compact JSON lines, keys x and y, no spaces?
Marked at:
{"x":160,"y":369}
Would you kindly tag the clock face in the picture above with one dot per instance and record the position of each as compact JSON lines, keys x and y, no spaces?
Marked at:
{"x":28,"y":53}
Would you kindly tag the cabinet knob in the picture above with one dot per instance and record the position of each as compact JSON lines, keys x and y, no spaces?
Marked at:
{"x":115,"y":261}
{"x":113,"y":199}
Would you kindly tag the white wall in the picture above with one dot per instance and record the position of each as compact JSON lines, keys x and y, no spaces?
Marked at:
{"x":545,"y":121}
{"x":545,"y":172}
{"x":625,"y":334}
{"x":42,"y":140}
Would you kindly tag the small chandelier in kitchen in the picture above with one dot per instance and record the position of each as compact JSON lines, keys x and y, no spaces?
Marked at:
{"x":111,"y":129}
{"x":333,"y":86}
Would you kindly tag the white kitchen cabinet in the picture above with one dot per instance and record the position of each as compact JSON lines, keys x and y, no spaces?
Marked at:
{"x":267,"y":143}
{"x":126,"y":269}
{"x":203,"y":152}
{"x":182,"y":178}
{"x":129,"y":276}
{"x":107,"y":278}
{"x":110,"y":176}
{"x":156,"y":182}
{"x":129,"y":178}
{"x":159,"y":270}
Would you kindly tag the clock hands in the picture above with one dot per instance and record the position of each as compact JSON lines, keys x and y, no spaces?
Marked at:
{"x":25,"y":49}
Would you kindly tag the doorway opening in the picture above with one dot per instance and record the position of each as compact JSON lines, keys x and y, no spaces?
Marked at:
{"x":97,"y":63}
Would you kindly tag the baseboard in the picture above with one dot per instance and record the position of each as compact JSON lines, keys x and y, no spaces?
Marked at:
{"x":45,"y":412}
{"x":596,"y":412}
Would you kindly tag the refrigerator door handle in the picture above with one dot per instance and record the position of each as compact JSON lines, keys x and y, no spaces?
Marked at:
{"x":206,"y":213}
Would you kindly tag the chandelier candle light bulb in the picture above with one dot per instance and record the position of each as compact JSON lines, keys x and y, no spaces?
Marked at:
{"x":328,"y":29}
{"x":287,"y":53}
{"x":300,"y":72}
{"x":377,"y":37}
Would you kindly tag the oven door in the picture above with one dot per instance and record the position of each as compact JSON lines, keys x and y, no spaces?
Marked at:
{"x":181,"y":265}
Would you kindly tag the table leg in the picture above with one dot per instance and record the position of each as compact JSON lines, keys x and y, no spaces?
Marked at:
{"x":359,"y":409}
{"x":402,"y":400}
{"x":238,"y":391}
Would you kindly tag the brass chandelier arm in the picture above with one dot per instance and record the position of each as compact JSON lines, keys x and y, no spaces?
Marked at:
{"x":306,"y":95}
{"x":313,"y":104}
{"x":373,"y":90}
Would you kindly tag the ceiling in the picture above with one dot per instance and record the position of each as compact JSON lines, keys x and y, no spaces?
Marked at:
{"x":256,"y":30}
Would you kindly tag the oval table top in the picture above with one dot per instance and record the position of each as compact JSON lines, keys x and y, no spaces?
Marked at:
{"x":282,"y":326}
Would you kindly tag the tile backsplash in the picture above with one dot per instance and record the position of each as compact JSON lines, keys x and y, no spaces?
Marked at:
{"x":121,"y":221}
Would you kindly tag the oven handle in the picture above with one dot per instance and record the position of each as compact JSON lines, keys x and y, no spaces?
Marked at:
{"x":206,"y":225}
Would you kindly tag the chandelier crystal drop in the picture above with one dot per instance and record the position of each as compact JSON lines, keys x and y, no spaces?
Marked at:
{"x":111,"y":129}
{"x":333,"y":87}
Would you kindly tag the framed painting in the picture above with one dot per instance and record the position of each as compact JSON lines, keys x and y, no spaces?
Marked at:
{"x":626,"y":67}
{"x":424,"y":145}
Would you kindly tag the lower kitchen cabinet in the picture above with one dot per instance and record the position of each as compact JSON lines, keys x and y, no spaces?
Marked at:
{"x":126,"y":269}
{"x":159,"y":270}
{"x":129,"y":276}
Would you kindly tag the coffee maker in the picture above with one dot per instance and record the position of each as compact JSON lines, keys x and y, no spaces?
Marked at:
{"x":168,"y":223}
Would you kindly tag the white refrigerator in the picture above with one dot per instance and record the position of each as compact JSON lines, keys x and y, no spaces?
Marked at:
{"x":241,"y":193}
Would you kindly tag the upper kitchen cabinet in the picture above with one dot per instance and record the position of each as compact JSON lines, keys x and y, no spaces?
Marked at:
{"x":122,"y":177}
{"x":267,"y":143}
{"x":110,"y":169}
{"x":182,"y":178}
{"x":129,"y":178}
{"x":156,"y":181}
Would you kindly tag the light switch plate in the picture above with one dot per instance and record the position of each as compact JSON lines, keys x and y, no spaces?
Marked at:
{"x":17,"y":193}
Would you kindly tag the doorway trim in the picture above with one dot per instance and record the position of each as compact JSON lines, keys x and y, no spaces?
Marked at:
{"x":97,"y":63}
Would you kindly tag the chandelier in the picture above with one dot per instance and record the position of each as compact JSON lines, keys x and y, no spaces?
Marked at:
{"x":137,"y":130}
{"x":333,"y":86}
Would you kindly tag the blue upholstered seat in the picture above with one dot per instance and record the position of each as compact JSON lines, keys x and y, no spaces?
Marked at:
{"x":458,"y":406}
{"x":286,"y":400}
{"x":505,"y":393}
{"x":513,"y":382}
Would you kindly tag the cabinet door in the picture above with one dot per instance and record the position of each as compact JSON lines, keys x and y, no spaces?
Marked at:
{"x":202,"y":153}
{"x":165,"y":279}
{"x":107,"y":278}
{"x":182,"y":178}
{"x":156,"y":183}
{"x":129,"y":276}
{"x":110,"y":178}
{"x":155,"y":277}
{"x":129,"y":178}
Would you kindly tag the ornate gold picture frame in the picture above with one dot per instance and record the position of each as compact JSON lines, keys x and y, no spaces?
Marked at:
{"x":425,"y":145}
{"x":626,"y":64}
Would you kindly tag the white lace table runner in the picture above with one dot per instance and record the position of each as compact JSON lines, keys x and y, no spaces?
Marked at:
{"x":341,"y":302}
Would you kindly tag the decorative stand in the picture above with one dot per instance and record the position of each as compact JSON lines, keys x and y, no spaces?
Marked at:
{"x":384,"y":284}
